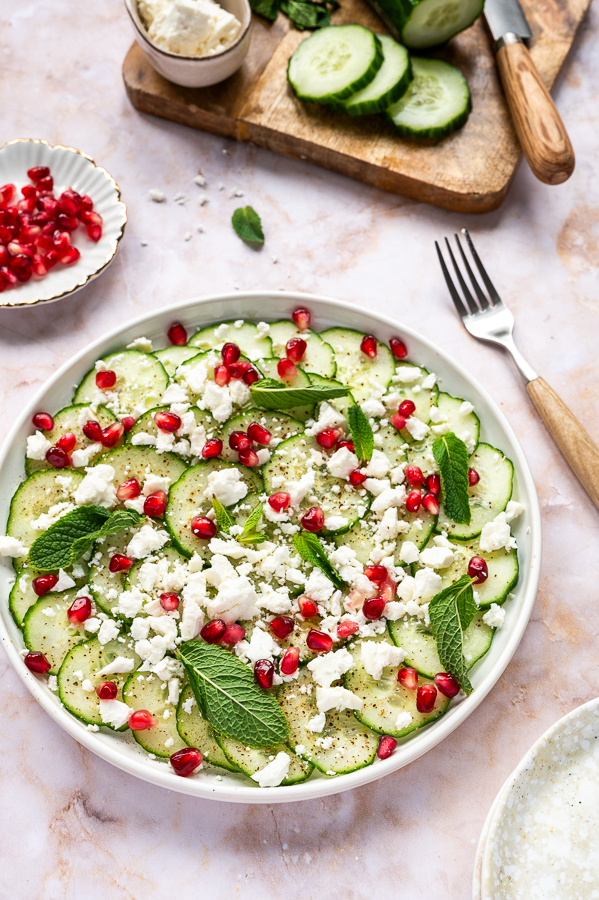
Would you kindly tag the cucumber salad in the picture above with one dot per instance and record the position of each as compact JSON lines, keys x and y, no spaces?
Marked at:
{"x":261,"y":548}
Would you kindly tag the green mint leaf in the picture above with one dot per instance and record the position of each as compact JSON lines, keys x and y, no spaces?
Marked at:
{"x":452,"y":458}
{"x":271,"y":394}
{"x":361,"y":432}
{"x":229,"y":698}
{"x":118,"y":521}
{"x":247,"y":225}
{"x":223,"y":516}
{"x":451,"y":612}
{"x":249,"y":529}
{"x":306,"y":15}
{"x":266,"y":8}
{"x":309,"y":548}
{"x":255,"y":538}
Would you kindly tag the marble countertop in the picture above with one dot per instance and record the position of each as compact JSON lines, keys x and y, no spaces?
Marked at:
{"x":73,"y":826}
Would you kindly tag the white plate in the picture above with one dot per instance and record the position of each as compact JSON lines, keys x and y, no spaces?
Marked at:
{"x":543,"y":837}
{"x":70,"y":169}
{"x":271,"y":306}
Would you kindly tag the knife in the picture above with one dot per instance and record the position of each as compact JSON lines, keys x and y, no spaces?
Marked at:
{"x":542,"y":134}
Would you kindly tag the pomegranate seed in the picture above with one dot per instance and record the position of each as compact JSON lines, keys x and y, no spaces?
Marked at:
{"x":230,"y":353}
{"x":398,"y":422}
{"x":107,"y":690}
{"x":105,"y":379}
{"x":203,"y":527}
{"x":43,"y":421}
{"x":368,"y":345}
{"x":295,"y":349}
{"x":349,"y":444}
{"x":447,"y":684}
{"x":373,"y":608}
{"x":48,"y":205}
{"x":258,"y":434}
{"x":26,"y":205}
{"x":433,"y":484}
{"x":329,"y":437}
{"x":264,"y":673}
{"x":408,"y":677}
{"x":51,"y":258}
{"x":57,"y":457}
{"x":431,"y":504}
{"x":87,"y":203}
{"x":319,"y":640}
{"x":387,"y":745}
{"x":112,"y":434}
{"x":39,"y":267}
{"x":473,"y":477}
{"x":177,"y":334}
{"x":9,"y":277}
{"x":16,"y":248}
{"x":478,"y":569}
{"x":282,"y":626}
{"x":91,"y":218}
{"x":169,"y":602}
{"x":234,"y":634}
{"x":356,"y":478}
{"x":414,"y":476}
{"x":388,"y":589}
{"x":168,"y":422}
{"x":44,"y":583}
{"x":128,"y":490}
{"x":307,"y":606}
{"x":67,"y":442}
{"x":286,"y":369}
{"x":37,"y":172}
{"x":62,"y":240}
{"x":120,"y":563}
{"x":3,"y":255}
{"x":239,"y":440}
{"x":94,"y":232}
{"x":302,"y":318}
{"x":249,"y":458}
{"x":413,"y":501}
{"x":155,"y":504}
{"x":221,"y":376}
{"x":186,"y":761}
{"x":69,"y":202}
{"x":141,"y":720}
{"x":213,"y":631}
{"x":127,"y":422}
{"x":251,"y":375}
{"x":376,"y":573}
{"x":93,"y":431}
{"x":313,"y":520}
{"x":347,"y":628}
{"x":37,"y":663}
{"x":29,"y":190}
{"x":290,"y":661}
{"x":406,"y":409}
{"x":7,"y":191}
{"x":67,"y":223}
{"x":79,"y":610}
{"x":30,"y":233}
{"x":238,"y":369}
{"x":279,"y":501}
{"x":426,"y":697}
{"x":70,"y":256}
{"x":212,"y":447}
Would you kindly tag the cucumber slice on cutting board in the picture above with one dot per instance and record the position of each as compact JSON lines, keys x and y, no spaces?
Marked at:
{"x":421,"y":648}
{"x":318,"y":359}
{"x":389,"y":84}
{"x":140,"y":382}
{"x":198,"y":733}
{"x":354,"y":368}
{"x":143,"y":690}
{"x":436,"y":102}
{"x":487,"y":498}
{"x":427,"y":23}
{"x":247,"y":338}
{"x":46,"y":628}
{"x":68,"y":420}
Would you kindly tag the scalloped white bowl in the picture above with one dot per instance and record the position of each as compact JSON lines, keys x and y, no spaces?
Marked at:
{"x":121,"y":750}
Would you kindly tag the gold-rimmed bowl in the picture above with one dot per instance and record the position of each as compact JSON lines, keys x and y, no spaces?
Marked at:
{"x":70,"y":168}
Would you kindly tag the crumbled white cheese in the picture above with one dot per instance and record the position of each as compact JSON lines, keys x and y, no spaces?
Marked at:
{"x":406,"y":374}
{"x":260,"y":646}
{"x":37,"y":446}
{"x":275,"y":772}
{"x":189,"y":27}
{"x":115,"y":713}
{"x":218,"y":400}
{"x":87,"y":686}
{"x":466,"y":408}
{"x":118,"y":666}
{"x":108,"y":631}
{"x":338,"y":698}
{"x":10,"y":546}
{"x":236,"y":599}
{"x":437,"y":557}
{"x":83,"y":457}
{"x":377,"y":655}
{"x":342,"y":462}
{"x":404,"y":720}
{"x":298,"y":490}
{"x":494,"y":616}
{"x":379,"y":465}
{"x":141,"y":343}
{"x":417,"y":429}
{"x":156,"y":195}
{"x":373,"y":408}
{"x":409,"y":552}
{"x":131,"y":601}
{"x":428,"y":583}
{"x":318,"y":586}
{"x":328,"y":417}
{"x":335,"y":523}
{"x":263,"y":329}
{"x":496,"y":534}
{"x":154,"y":483}
{"x":146,"y":541}
{"x":64,"y":581}
{"x":329,"y":667}
{"x":97,"y":488}
{"x":316,"y":723}
{"x":92,"y":624}
{"x":388,"y":497}
{"x":437,"y":415}
{"x":226,"y":485}
{"x":513,"y":510}
{"x":43,"y":522}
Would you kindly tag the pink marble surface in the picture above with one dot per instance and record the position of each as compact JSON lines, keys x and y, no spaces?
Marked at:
{"x":74,"y":827}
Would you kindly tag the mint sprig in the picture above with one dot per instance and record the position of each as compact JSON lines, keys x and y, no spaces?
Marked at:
{"x":247,"y":225}
{"x":229,"y":698}
{"x":309,"y":548}
{"x":451,"y":612}
{"x":271,"y":394}
{"x":452,"y":458}
{"x":223,"y":516}
{"x":249,"y":535}
{"x":361,"y":432}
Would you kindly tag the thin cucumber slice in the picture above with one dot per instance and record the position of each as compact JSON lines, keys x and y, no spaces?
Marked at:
{"x":436,"y":103}
{"x":69,"y":419}
{"x":361,"y":538}
{"x":269,"y":368}
{"x":246,"y":337}
{"x":465,"y":425}
{"x":46,"y":628}
{"x":138,"y":462}
{"x":297,"y":638}
{"x":22,"y":595}
{"x":429,"y":23}
{"x":354,"y":368}
{"x":389,"y":84}
{"x":503,"y":572}
{"x":318,"y":359}
{"x":250,"y":760}
{"x":417,"y":391}
{"x":344,"y":745}
{"x":197,"y":732}
{"x":341,"y":404}
{"x":143,"y":690}
{"x":487,"y":498}
{"x":172,"y":357}
{"x":140,"y":383}
{"x":172,"y":570}
{"x":147,"y":426}
{"x":280,"y":426}
{"x":421,"y":648}
{"x":104,"y":585}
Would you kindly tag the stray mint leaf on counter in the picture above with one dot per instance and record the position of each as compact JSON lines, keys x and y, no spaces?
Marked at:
{"x":271,"y":394}
{"x":452,"y":458}
{"x":247,"y":225}
{"x":451,"y":612}
{"x":229,"y":698}
{"x":309,"y":548}
{"x":361,"y":432}
{"x":223,"y":516}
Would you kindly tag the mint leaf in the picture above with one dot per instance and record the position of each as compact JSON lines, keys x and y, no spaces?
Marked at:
{"x":223,"y":516}
{"x":306,"y":15}
{"x":451,"y":612}
{"x":249,"y":534}
{"x":266,"y":8}
{"x":452,"y":458}
{"x":118,"y":521}
{"x":309,"y":548}
{"x":247,"y":225}
{"x":271,"y":394}
{"x":361,"y":432}
{"x":229,"y":698}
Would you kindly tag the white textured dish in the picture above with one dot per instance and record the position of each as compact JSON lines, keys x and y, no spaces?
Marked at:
{"x":70,"y":169}
{"x":121,"y":750}
{"x":543,"y":837}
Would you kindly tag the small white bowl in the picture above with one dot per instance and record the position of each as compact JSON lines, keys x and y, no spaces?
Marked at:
{"x":196,"y":71}
{"x":70,"y":169}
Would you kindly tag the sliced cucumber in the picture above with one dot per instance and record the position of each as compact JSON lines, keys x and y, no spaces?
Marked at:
{"x":172,"y":357}
{"x":318,"y":358}
{"x":422,"y":397}
{"x":465,"y":425}
{"x":361,"y":538}
{"x":503,"y":572}
{"x":341,"y":404}
{"x":22,"y":595}
{"x":280,"y":426}
{"x":487,"y":498}
{"x":389,"y":84}
{"x":427,"y":23}
{"x":421,"y":648}
{"x":140,"y":383}
{"x":175,"y":561}
{"x":198,"y":733}
{"x":354,"y":368}
{"x":68,"y":420}
{"x":137,"y":462}
{"x":250,"y":760}
{"x":246,"y":337}
{"x":436,"y":103}
{"x":104,"y":585}
{"x":146,"y":424}
{"x":297,"y":638}
{"x":46,"y":628}
{"x":335,"y":62}
{"x":146,"y":691}
{"x":269,"y":368}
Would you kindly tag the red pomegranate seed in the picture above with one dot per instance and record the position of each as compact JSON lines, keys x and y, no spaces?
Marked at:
{"x":238,"y":369}
{"x":79,"y":610}
{"x":16,"y":248}
{"x":30,"y":233}
{"x":329,"y":437}
{"x":295,"y":349}
{"x":141,"y":720}
{"x":169,"y":601}
{"x":155,"y":504}
{"x":9,"y":277}
{"x":128,"y":490}
{"x":376,"y":573}
{"x":221,"y":375}
{"x":478,"y":569}
{"x":39,"y":267}
{"x":281,"y":626}
{"x":356,"y":478}
{"x":120,"y":563}
{"x":319,"y":640}
{"x":107,"y":690}
{"x":7,"y":191}
{"x":105,"y":379}
{"x":44,"y":583}
{"x":302,"y":318}
{"x":286,"y":369}
{"x":473,"y":477}
{"x":3,"y":255}
{"x":433,"y":484}
{"x":258,"y":434}
{"x":94,"y":232}
{"x":203,"y":527}
{"x":251,"y":375}
{"x":177,"y":334}
{"x":426,"y":697}
{"x":212,"y":447}
{"x":431,"y":504}
{"x":90,"y":218}
{"x":67,"y":442}
{"x":279,"y":501}
{"x":264,"y":673}
{"x":447,"y":684}
{"x":57,"y":457}
{"x":37,"y":172}
{"x":406,"y":409}
{"x":70,"y":256}
{"x":349,"y":444}
{"x":413,"y":501}
{"x":234,"y":634}
{"x":62,"y":240}
{"x":230,"y":353}
{"x":51,"y":258}
{"x":313,"y":520}
{"x":186,"y":761}
{"x":387,"y":745}
{"x":368,"y":346}
{"x":69,"y":202}
{"x":48,"y":205}
{"x":67,"y":223}
{"x":414,"y":476}
{"x":373,"y":608}
{"x":213,"y":631}
{"x":398,"y":422}
{"x":26,"y":205}
{"x":168,"y":422}
{"x":307,"y":606}
{"x":249,"y":458}
{"x":93,"y":431}
{"x":239,"y":440}
{"x":112,"y":434}
{"x":37,"y":663}
{"x":290,"y":661}
{"x":388,"y":589}
{"x":408,"y":678}
{"x":43,"y":421}
{"x":127,"y":422}
{"x":347,"y":628}
{"x":398,"y":348}
{"x":87,"y":204}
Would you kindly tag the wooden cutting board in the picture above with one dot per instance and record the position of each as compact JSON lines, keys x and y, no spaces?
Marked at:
{"x":469,"y":172}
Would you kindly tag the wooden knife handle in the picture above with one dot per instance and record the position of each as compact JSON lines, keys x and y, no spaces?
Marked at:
{"x":575,"y":444}
{"x":544,"y":139}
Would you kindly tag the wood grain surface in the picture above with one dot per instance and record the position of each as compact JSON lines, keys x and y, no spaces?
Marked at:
{"x":469,"y":171}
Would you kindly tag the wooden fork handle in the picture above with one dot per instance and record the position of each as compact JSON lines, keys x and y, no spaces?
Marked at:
{"x":542,"y":134}
{"x":575,"y":444}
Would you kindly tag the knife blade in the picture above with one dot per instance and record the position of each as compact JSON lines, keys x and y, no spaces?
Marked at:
{"x":506,"y":17}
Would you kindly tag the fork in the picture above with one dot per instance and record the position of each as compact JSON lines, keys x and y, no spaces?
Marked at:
{"x":490,"y":320}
